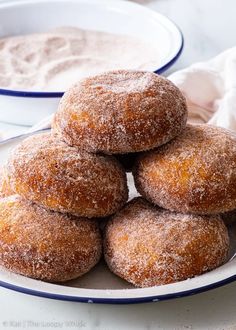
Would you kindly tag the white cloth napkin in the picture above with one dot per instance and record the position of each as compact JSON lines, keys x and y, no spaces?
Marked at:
{"x":210,"y":90}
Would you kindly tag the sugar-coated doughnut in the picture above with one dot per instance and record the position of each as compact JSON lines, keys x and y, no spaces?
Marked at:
{"x":196,"y":172}
{"x":120,"y":112}
{"x":148,"y":246}
{"x":47,"y":171}
{"x":44,"y":244}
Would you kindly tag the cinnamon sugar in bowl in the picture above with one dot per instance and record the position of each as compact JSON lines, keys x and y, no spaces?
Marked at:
{"x":24,"y":101}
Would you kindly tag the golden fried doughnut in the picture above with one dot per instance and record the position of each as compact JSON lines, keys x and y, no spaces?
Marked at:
{"x":47,"y":171}
{"x":195,"y":173}
{"x":148,"y":246}
{"x":121,"y":112}
{"x":44,"y":244}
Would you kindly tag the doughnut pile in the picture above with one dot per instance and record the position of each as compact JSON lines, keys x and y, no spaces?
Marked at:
{"x":57,"y":187}
{"x":48,"y":191}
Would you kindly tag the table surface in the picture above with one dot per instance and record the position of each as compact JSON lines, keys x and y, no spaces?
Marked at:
{"x":209,"y":28}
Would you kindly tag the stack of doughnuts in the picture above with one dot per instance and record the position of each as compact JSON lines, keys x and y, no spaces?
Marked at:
{"x":175,"y":230}
{"x":51,"y":194}
{"x":57,"y":186}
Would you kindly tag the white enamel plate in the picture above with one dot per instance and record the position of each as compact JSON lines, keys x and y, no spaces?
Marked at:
{"x":101,"y":286}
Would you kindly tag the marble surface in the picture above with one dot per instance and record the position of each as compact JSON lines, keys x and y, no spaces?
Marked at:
{"x":213,"y":310}
{"x":209,"y":28}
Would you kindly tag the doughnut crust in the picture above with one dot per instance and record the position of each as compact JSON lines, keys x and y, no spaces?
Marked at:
{"x":47,"y":171}
{"x":46,"y":245}
{"x":121,"y":112}
{"x":5,"y":189}
{"x":149,"y":246}
{"x":194,"y":173}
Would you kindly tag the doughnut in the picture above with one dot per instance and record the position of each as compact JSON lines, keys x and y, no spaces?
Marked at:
{"x":149,"y":246}
{"x":47,"y":171}
{"x":194,"y":173}
{"x":46,"y":245}
{"x":121,"y":112}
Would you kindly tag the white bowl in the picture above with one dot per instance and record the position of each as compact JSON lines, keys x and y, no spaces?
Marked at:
{"x":122,"y":17}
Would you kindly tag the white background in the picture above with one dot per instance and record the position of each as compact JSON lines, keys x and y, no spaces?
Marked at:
{"x":209,"y":27}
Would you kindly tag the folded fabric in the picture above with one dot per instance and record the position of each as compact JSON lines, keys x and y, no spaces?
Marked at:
{"x":210,"y":90}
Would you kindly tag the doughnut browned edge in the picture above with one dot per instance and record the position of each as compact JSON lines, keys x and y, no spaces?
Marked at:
{"x":149,"y":246}
{"x":47,"y":171}
{"x":194,"y":173}
{"x":5,"y":189}
{"x":46,"y":245}
{"x":121,"y":112}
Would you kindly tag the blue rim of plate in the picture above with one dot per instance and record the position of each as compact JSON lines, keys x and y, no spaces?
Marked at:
{"x":17,"y":93}
{"x":118,"y":301}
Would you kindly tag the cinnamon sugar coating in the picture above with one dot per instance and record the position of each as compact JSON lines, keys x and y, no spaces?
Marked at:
{"x":47,"y":171}
{"x":5,"y":189}
{"x":149,"y":246}
{"x":46,"y":245}
{"x":194,"y":173}
{"x":120,"y":112}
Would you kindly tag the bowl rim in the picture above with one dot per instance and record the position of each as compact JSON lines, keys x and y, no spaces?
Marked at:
{"x":59,"y":94}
